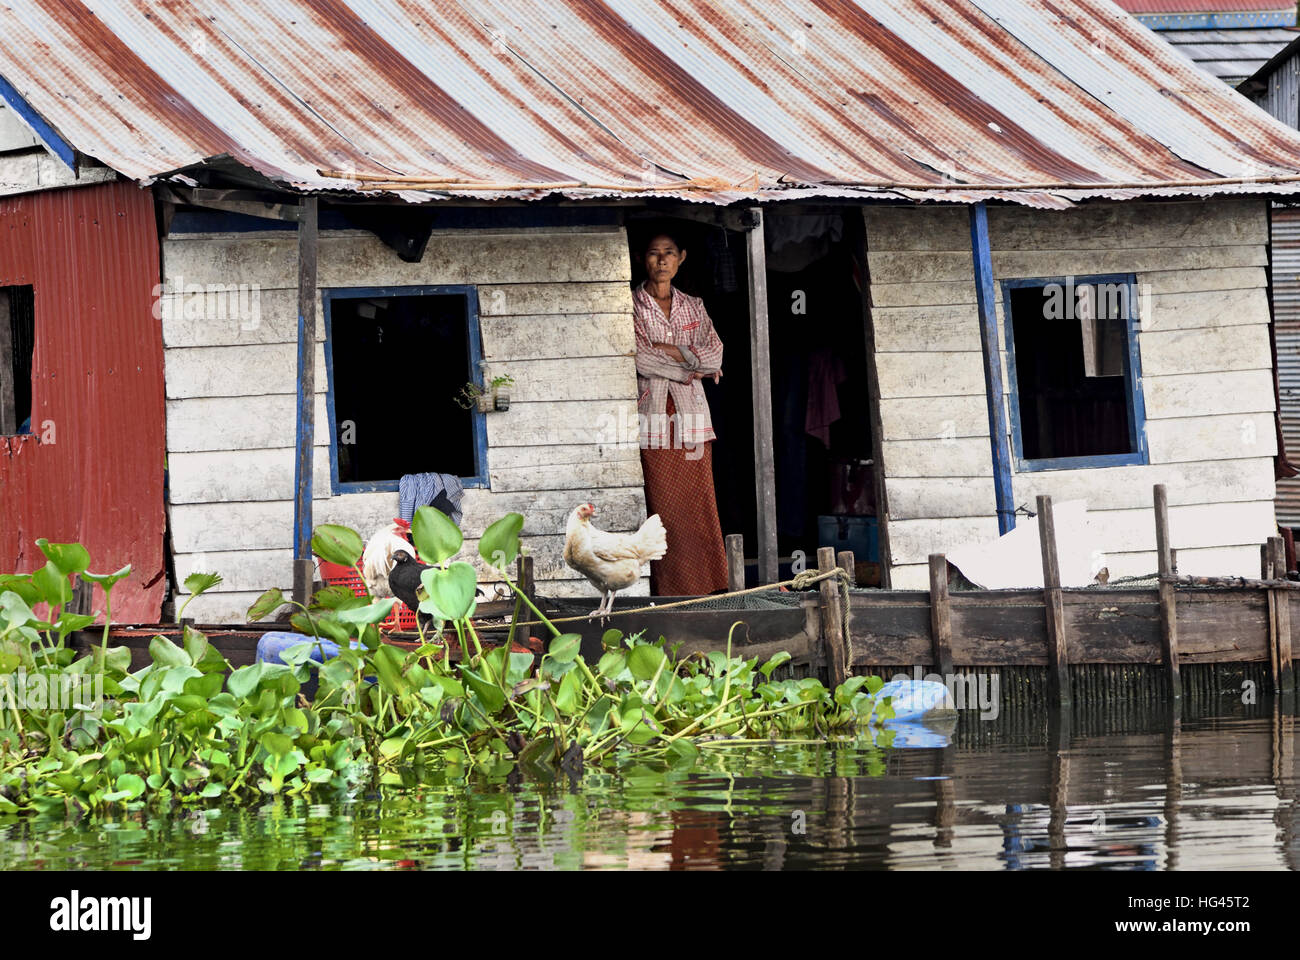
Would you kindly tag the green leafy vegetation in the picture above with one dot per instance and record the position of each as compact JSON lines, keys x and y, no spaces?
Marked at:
{"x":187,"y":729}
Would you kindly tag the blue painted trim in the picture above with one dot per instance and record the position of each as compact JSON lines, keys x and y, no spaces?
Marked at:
{"x":474,"y":355}
{"x":1137,"y":416}
{"x":302,"y":519}
{"x":53,"y":142}
{"x":985,"y":297}
{"x":1230,"y":20}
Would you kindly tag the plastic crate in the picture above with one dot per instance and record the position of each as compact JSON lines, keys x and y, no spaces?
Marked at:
{"x":402,"y":617}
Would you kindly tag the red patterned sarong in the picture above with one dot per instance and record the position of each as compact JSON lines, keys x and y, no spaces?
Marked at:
{"x":680,"y":490}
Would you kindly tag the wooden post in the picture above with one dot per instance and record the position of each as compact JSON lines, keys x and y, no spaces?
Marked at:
{"x":837,"y":665}
{"x":524,"y":576}
{"x":760,"y":352}
{"x":1266,"y":574}
{"x":985,"y":297}
{"x":1168,"y":610}
{"x":303,"y":567}
{"x":735,"y":562}
{"x":844,"y":559}
{"x":1058,"y":653}
{"x":8,"y":410}
{"x":1280,"y":610}
{"x":940,"y":615}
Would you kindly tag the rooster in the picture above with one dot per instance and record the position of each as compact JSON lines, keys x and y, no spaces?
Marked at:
{"x":404,"y":584}
{"x":380,"y":553}
{"x":611,"y":561}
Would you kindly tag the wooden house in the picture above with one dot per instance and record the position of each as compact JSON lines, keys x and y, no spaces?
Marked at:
{"x":880,"y":197}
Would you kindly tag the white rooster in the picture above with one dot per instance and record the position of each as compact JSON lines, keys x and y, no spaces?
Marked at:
{"x":611,"y":561}
{"x":377,"y":559}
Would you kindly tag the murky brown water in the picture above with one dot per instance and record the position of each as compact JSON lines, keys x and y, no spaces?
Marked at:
{"x":1207,"y":793}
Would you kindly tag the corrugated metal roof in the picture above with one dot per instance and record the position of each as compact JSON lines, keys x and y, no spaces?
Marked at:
{"x":804,"y":97}
{"x":1230,"y":55}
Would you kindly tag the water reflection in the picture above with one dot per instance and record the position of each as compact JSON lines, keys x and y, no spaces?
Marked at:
{"x":1023,"y":792}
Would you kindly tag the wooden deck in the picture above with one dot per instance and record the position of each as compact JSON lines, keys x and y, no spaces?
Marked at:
{"x":1095,"y":642}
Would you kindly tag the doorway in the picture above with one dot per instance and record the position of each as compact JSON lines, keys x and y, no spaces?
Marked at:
{"x":821,"y":416}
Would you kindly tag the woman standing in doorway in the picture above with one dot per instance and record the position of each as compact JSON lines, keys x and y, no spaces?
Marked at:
{"x":676,"y":348}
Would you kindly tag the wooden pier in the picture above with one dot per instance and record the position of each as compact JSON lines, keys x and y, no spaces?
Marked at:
{"x":1058,"y":643}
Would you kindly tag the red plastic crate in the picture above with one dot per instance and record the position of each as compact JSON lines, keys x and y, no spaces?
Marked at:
{"x":402,"y":617}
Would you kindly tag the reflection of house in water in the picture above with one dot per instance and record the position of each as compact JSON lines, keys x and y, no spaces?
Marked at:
{"x":880,"y":209}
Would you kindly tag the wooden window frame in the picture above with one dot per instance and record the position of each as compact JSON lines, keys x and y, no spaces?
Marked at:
{"x":1132,"y":378}
{"x":475,"y":359}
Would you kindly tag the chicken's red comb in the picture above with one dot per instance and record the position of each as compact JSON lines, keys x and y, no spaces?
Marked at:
{"x":404,"y":524}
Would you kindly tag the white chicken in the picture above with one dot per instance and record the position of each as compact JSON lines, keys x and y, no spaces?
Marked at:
{"x":611,"y":561}
{"x":377,"y":558}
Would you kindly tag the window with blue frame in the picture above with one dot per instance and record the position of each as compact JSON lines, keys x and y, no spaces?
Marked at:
{"x":398,"y":359}
{"x":1074,"y":372}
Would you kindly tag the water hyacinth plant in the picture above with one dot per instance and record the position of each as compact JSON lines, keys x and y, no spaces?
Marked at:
{"x":187,"y":729}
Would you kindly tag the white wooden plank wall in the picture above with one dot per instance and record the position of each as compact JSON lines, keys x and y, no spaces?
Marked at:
{"x":555,"y":312}
{"x":1205,"y":362}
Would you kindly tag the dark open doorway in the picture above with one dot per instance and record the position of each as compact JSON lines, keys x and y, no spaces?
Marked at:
{"x":824,"y":486}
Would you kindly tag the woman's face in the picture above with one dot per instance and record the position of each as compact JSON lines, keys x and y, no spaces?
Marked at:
{"x":663,"y":259}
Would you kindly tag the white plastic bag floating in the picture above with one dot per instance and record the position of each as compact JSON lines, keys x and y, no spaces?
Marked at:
{"x":1015,"y":559}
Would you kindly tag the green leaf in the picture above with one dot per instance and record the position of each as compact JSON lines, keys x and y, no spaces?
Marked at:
{"x":107,"y":580}
{"x":776,"y":661}
{"x":492,"y":697}
{"x":341,"y":545}
{"x":683,"y":750}
{"x":566,"y":698}
{"x":15,"y":609}
{"x":330,"y":598}
{"x":196,"y":644}
{"x":388,"y":664}
{"x":197,"y":583}
{"x":611,"y":639}
{"x":538,"y":751}
{"x":370,"y":613}
{"x":874,"y":684}
{"x":451,"y":591}
{"x":565,"y":647}
{"x":612,"y":664}
{"x":435,"y":537}
{"x":266,"y":604}
{"x":244,"y":680}
{"x":276,"y":744}
{"x":644,"y":661}
{"x":67,"y":557}
{"x":206,"y":686}
{"x":53,"y":584}
{"x":499,"y":544}
{"x":22,"y":585}
{"x":130,"y":785}
{"x":211,"y":790}
{"x":69,"y":622}
{"x":598,"y":715}
{"x":167,"y":654}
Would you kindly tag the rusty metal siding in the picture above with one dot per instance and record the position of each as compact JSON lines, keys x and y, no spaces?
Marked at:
{"x":92,"y":469}
{"x":1286,"y":319}
{"x":802,"y":98}
{"x":1282,"y":98}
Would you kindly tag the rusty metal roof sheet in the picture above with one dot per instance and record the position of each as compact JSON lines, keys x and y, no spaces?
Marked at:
{"x":1041,"y":101}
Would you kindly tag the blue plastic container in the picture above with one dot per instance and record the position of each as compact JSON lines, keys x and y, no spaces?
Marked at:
{"x":273,"y":644}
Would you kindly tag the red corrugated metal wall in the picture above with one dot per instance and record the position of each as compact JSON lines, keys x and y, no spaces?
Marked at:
{"x":91,"y":256}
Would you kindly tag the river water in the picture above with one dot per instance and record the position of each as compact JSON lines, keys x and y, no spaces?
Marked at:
{"x":1110,"y":791}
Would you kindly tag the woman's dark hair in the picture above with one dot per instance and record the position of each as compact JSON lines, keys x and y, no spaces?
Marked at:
{"x":652,"y":234}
